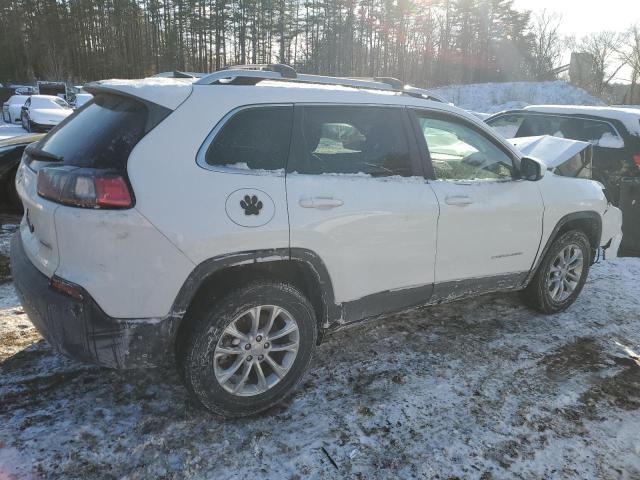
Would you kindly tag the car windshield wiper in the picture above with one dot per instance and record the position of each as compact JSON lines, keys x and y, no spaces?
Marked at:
{"x":35,"y":152}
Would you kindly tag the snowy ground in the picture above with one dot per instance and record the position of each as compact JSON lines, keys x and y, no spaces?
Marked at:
{"x":481,"y":389}
{"x":8,"y":130}
{"x":496,"y":97}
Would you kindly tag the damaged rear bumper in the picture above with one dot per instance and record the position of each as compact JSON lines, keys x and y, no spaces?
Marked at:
{"x":611,"y":232}
{"x":80,"y":329}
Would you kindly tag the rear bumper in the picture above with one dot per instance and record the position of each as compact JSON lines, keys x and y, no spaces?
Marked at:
{"x":611,"y":231}
{"x":81,"y":330}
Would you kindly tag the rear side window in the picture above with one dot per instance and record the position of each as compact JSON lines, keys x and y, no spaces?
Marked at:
{"x":507,"y":125}
{"x":255,"y":138}
{"x":601,"y":134}
{"x":102,"y":134}
{"x":351,"y":140}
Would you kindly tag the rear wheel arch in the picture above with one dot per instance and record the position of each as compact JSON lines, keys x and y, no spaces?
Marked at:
{"x":220,"y":275}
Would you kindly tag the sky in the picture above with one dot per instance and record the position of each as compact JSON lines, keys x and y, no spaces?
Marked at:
{"x":581,"y":17}
{"x":584,"y":16}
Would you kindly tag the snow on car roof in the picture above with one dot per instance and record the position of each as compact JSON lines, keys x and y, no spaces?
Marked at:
{"x":17,"y":98}
{"x":168,"y":92}
{"x":630,"y":117}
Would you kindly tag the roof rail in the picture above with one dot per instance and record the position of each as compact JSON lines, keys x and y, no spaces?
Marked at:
{"x":253,"y":74}
{"x":284,"y":70}
{"x":179,"y":74}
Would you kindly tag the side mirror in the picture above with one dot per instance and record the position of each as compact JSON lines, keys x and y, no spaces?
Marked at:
{"x":531,"y":169}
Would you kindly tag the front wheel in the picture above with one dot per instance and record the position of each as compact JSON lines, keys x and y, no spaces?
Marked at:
{"x":561,"y":275}
{"x":247,"y":351}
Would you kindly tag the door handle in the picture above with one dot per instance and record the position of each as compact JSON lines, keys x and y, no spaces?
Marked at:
{"x":321,"y":203}
{"x":459,"y":200}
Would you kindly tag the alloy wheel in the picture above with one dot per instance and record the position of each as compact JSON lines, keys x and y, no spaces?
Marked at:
{"x":565,"y":273}
{"x":256,"y":350}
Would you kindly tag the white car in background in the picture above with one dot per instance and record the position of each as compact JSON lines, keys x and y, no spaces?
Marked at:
{"x":12,"y":107}
{"x":43,"y":112}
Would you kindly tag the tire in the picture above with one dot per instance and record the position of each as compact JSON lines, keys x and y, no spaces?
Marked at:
{"x":203,"y":372}
{"x":541,"y":293}
{"x":26,"y":124}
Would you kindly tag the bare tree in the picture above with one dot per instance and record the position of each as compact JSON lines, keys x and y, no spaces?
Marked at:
{"x":604,"y":48}
{"x":548,"y":44}
{"x":630,"y":53}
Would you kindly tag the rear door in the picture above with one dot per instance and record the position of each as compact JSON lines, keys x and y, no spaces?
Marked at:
{"x":490,"y":222}
{"x":358,"y":199}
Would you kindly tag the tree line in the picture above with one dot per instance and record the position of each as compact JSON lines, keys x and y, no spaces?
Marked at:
{"x":426,"y":42}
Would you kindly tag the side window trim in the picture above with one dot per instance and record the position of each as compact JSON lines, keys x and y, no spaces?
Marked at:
{"x":446,"y":116}
{"x":417,"y":165}
{"x":201,"y":159}
{"x":423,"y":148}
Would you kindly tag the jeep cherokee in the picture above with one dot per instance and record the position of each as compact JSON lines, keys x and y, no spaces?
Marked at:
{"x":227,"y":223}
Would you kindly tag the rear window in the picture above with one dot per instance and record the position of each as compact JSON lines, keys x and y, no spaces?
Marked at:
{"x":100,"y":135}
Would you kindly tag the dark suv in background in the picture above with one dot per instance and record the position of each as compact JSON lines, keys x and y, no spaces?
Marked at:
{"x":615,"y":136}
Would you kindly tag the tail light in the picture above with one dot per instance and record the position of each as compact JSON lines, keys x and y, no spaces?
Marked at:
{"x":84,"y":187}
{"x":636,"y":159}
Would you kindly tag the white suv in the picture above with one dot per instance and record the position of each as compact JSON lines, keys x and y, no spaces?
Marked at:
{"x":228,"y":223}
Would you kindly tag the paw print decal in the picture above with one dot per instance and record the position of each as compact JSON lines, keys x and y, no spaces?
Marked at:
{"x":251,"y":205}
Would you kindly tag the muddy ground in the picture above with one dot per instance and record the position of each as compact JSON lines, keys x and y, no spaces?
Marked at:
{"x":481,"y":389}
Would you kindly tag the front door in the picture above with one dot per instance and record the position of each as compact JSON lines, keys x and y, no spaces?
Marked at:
{"x":490,"y":223}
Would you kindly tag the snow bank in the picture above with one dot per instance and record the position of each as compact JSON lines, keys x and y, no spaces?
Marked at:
{"x":8,"y":130}
{"x":495,"y":97}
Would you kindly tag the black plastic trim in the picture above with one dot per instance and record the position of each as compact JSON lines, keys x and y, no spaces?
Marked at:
{"x":587,"y":214}
{"x":382,"y":303}
{"x":79,"y":328}
{"x":471,"y":287}
{"x":213,"y":265}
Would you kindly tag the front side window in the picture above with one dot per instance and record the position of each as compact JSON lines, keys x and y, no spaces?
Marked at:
{"x":459,"y":152}
{"x":254,"y":138}
{"x":363,"y":140}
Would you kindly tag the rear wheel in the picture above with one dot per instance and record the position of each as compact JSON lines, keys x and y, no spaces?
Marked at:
{"x":561,"y":275}
{"x":248,"y":350}
{"x":26,"y":123}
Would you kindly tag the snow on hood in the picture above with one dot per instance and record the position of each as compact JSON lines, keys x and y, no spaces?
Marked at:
{"x":57,"y":114}
{"x":552,"y":151}
{"x":168,"y":92}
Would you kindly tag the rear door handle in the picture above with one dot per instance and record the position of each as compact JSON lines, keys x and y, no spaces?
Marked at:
{"x":321,"y":203}
{"x":459,"y":200}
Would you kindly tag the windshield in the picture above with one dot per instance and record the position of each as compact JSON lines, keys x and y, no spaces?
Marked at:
{"x":50,"y":102}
